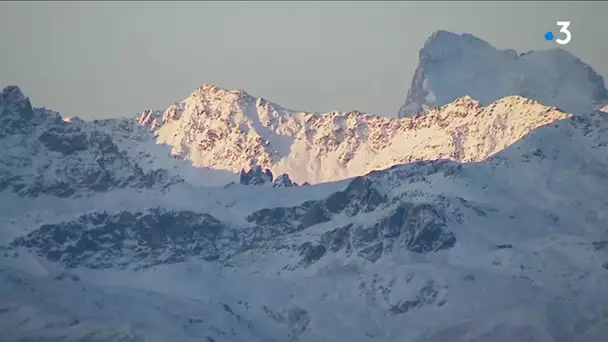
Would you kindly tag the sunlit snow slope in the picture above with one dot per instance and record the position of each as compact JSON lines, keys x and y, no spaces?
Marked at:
{"x":232,"y":130}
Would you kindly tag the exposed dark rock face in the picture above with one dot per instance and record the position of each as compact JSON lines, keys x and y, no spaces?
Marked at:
{"x":424,"y":229}
{"x":362,"y":236}
{"x":337,"y":239}
{"x":420,"y":228}
{"x":101,"y":240}
{"x":372,"y":252}
{"x":359,"y":196}
{"x":99,"y":179}
{"x":283,"y":220}
{"x":158,"y":236}
{"x":315,"y":215}
{"x":390,"y":227}
{"x":311,"y":253}
{"x":64,"y":138}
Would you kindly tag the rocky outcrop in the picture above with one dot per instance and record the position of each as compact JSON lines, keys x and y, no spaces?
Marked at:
{"x":283,"y":181}
{"x":428,"y":295}
{"x":65,"y":138}
{"x":255,"y":176}
{"x":258,"y":176}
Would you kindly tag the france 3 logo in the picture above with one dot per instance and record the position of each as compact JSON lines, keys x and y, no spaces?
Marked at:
{"x":564,"y":30}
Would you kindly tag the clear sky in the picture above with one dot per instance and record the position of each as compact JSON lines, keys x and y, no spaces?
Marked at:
{"x":110,"y":59}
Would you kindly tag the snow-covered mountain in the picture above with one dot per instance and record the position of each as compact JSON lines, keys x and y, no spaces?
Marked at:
{"x":452,"y":65}
{"x":45,"y":154}
{"x":500,"y":234}
{"x":232,"y":130}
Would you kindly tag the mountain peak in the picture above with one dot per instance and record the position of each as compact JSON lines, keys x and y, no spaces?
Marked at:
{"x":208,"y":87}
{"x":15,"y":111}
{"x":208,"y":91}
{"x":449,"y":40}
{"x":454,"y":65}
{"x":12,"y":93}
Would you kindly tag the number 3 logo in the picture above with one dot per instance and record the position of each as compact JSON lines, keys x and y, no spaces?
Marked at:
{"x":564,"y":29}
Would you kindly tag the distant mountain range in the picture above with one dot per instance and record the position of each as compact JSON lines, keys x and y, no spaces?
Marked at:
{"x":229,"y":218}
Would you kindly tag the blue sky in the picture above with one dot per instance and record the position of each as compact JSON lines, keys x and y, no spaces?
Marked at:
{"x":111,"y":59}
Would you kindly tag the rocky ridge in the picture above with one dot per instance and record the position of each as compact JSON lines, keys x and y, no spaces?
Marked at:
{"x":234,"y":131}
{"x":159,"y":236}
